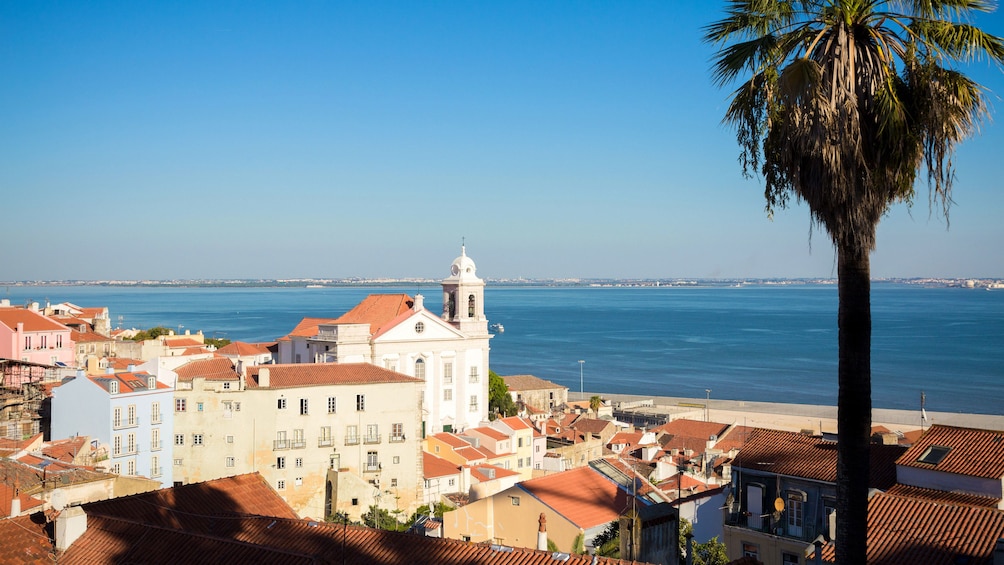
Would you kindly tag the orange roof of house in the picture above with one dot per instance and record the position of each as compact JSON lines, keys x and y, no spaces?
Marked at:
{"x":24,"y":540}
{"x":582,"y":495}
{"x":628,"y":438}
{"x":92,"y":312}
{"x":973,"y":452}
{"x":33,"y":321}
{"x":84,"y":337}
{"x":489,"y":432}
{"x":242,"y":349}
{"x":307,"y":327}
{"x":907,"y":531}
{"x":123,"y":362}
{"x":692,"y":429}
{"x":377,"y":310}
{"x":799,"y":455}
{"x":214,"y":369}
{"x":451,"y":439}
{"x":312,"y":374}
{"x":65,"y":450}
{"x":591,"y":425}
{"x":434,"y":467}
{"x":128,"y":382}
{"x":735,"y":438}
{"x":182,"y":341}
{"x":517,"y":423}
{"x":528,"y":382}
{"x":935,"y":495}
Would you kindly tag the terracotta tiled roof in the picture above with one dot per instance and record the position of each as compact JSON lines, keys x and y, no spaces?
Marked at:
{"x":86,"y":337}
{"x":692,"y":429}
{"x":26,"y":501}
{"x":128,"y":382}
{"x":489,"y":432}
{"x":481,"y":472}
{"x":810,"y":457}
{"x":973,"y":452}
{"x":471,"y":454}
{"x":308,"y":327}
{"x":181,"y":341}
{"x":735,"y":438}
{"x":26,"y":473}
{"x":908,"y":531}
{"x":517,"y":423}
{"x":434,"y":467}
{"x":377,"y":310}
{"x":24,"y":540}
{"x":257,"y":539}
{"x":312,"y":374}
{"x":451,"y":439}
{"x":65,"y":450}
{"x":92,"y":312}
{"x":630,"y":439}
{"x":122,"y":363}
{"x":33,"y":321}
{"x":528,"y":382}
{"x":934,"y":495}
{"x":242,"y":349}
{"x":215,"y":369}
{"x":582,"y":495}
{"x":591,"y":425}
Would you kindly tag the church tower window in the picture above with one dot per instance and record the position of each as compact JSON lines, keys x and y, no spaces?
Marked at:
{"x":420,"y":369}
{"x":470,"y":306}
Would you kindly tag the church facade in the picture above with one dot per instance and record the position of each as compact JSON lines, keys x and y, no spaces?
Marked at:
{"x":447,"y":350}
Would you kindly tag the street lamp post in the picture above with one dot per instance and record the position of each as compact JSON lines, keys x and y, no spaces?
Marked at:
{"x":707,"y":405}
{"x":582,"y":393}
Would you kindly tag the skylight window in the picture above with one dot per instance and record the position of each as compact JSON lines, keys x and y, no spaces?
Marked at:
{"x":934,"y":454}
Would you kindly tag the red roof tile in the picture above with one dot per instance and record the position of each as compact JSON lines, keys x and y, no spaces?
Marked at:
{"x":312,"y":374}
{"x":908,"y":531}
{"x":86,"y":337}
{"x":377,"y":310}
{"x":435,"y":467}
{"x":243,"y":349}
{"x":33,"y":321}
{"x":24,"y":540}
{"x":973,"y":452}
{"x":934,"y":495}
{"x":517,"y":423}
{"x":735,"y":438}
{"x":484,"y":471}
{"x":528,"y":382}
{"x":810,"y":457}
{"x":65,"y":450}
{"x":692,"y":429}
{"x":308,"y":327}
{"x":582,"y":495}
{"x":214,"y":369}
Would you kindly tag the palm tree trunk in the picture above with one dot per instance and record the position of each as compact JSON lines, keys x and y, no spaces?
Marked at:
{"x":854,"y":402}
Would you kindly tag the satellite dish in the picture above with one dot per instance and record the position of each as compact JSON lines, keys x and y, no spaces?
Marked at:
{"x":779,"y":504}
{"x":58,"y":499}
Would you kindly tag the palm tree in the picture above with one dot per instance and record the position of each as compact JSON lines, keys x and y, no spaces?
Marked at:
{"x":844,"y":102}
{"x":594,"y":404}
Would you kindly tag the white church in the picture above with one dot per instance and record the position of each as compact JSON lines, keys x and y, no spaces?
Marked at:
{"x":448,"y":351}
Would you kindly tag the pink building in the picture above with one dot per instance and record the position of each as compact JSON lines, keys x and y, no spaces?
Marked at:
{"x":27,"y":335}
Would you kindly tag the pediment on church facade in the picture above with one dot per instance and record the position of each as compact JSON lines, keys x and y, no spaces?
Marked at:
{"x":418,"y":326}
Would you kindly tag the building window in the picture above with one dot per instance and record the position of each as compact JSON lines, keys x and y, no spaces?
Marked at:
{"x":934,"y":454}
{"x":230,"y":439}
{"x":298,"y":462}
{"x":117,"y":469}
{"x":113,"y":387}
{"x":514,"y":500}
{"x":59,"y":340}
{"x":155,"y":413}
{"x":420,"y":369}
{"x":179,"y":439}
{"x":131,"y":467}
{"x":351,"y":435}
{"x":447,"y":394}
{"x":360,"y":402}
{"x":27,"y":342}
{"x":117,"y":446}
{"x":372,"y":464}
{"x":180,"y":405}
{"x":332,"y":404}
{"x":397,"y":432}
{"x":155,"y":439}
{"x":474,"y":403}
{"x":44,"y":340}
{"x":178,"y":462}
{"x":452,"y":482}
{"x":751,"y":550}
{"x":372,"y":433}
{"x":789,"y":559}
{"x":397,"y":459}
{"x":796,"y":502}
{"x":325,"y":438}
{"x":237,"y":406}
{"x":298,"y":481}
{"x":117,"y":418}
{"x":419,"y":327}
{"x":470,"y":306}
{"x":281,"y":485}
{"x":280,"y":462}
{"x":226,"y":385}
{"x":199,"y":406}
{"x":393,"y":482}
{"x":231,"y":462}
{"x":298,"y":441}
{"x":131,"y":415}
{"x":131,"y":445}
{"x":474,"y":374}
{"x":197,"y":439}
{"x":281,"y":405}
{"x":155,"y":467}
{"x":303,"y":407}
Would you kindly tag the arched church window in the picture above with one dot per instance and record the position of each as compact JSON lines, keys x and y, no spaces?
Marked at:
{"x":453,"y":305}
{"x":420,"y":369}
{"x":470,"y":306}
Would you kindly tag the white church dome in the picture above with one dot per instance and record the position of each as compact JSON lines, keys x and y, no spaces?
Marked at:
{"x":463,"y":266}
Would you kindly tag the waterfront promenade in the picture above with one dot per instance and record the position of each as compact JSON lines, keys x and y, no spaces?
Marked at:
{"x":782,"y":416}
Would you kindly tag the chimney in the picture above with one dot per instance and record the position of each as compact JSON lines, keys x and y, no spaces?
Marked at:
{"x":70,"y":525}
{"x":5,"y":302}
{"x":110,"y":370}
{"x":131,"y":368}
{"x":15,"y":504}
{"x":542,"y":533}
{"x":34,"y":307}
{"x":264,"y":379}
{"x":419,"y":303}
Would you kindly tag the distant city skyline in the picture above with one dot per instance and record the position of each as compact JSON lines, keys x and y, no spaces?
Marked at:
{"x":331,"y":140}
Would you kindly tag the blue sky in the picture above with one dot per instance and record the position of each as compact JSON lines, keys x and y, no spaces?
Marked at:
{"x":146,"y":140}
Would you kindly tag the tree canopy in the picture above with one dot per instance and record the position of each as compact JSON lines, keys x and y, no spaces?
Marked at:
{"x":499,"y":400}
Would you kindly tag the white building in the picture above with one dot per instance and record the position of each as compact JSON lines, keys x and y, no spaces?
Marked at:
{"x":328,"y":437}
{"x":129,"y":413}
{"x":448,"y":351}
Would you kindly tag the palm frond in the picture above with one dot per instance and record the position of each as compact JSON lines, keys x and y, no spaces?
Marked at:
{"x":960,"y":41}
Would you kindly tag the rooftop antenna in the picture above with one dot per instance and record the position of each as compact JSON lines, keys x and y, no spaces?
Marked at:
{"x":923,"y":411}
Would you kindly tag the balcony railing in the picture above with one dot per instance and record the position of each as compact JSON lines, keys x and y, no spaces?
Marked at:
{"x":351,"y":440}
{"x":280,"y":444}
{"x":299,"y":444}
{"x":325,"y":442}
{"x":397,"y":439}
{"x":375,"y":438}
{"x":371,"y":467}
{"x":768,"y":525}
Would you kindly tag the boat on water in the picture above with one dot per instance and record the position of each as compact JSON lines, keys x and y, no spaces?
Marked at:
{"x":497,"y":328}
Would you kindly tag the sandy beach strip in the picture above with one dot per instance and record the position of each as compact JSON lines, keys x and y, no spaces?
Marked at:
{"x":782,"y":416}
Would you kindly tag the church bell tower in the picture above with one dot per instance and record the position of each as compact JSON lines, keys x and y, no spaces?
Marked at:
{"x":464,"y":297}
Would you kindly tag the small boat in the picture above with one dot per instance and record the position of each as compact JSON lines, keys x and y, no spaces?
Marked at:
{"x":497,"y":328}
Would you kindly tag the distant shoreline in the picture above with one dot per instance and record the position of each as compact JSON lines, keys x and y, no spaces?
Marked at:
{"x":969,"y":283}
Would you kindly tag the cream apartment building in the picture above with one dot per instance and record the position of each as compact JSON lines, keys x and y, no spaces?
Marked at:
{"x":327,"y":437}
